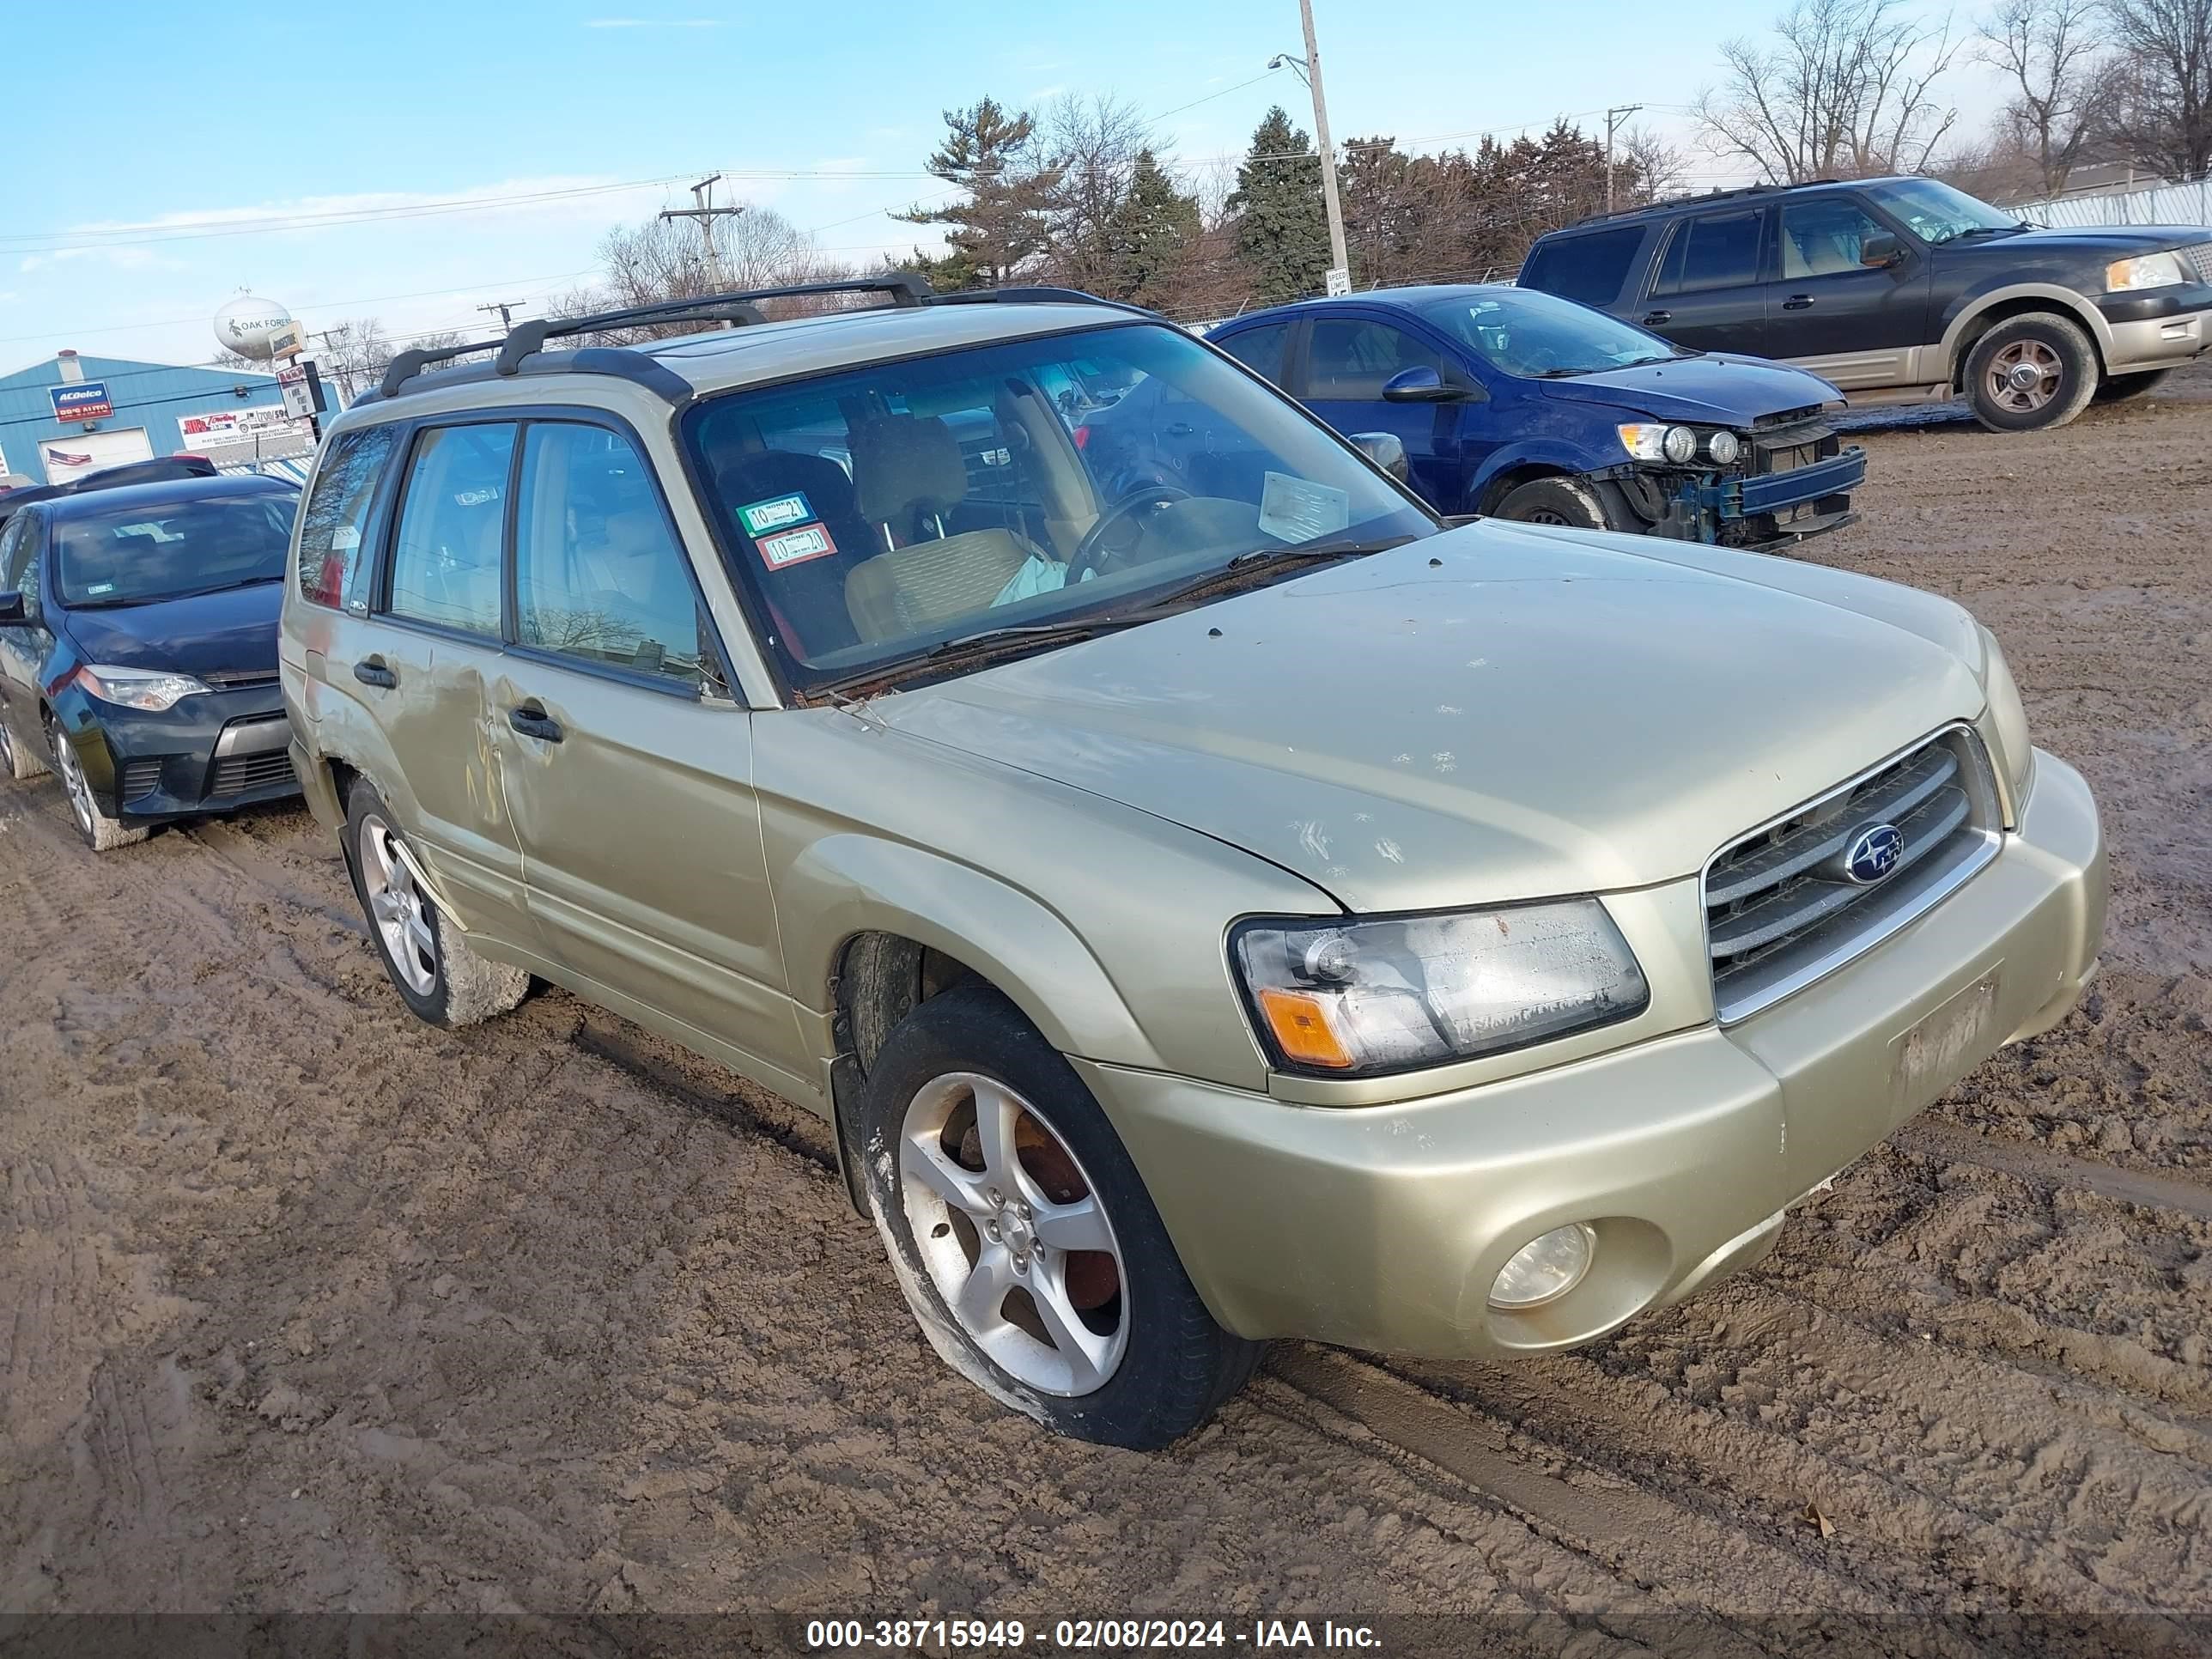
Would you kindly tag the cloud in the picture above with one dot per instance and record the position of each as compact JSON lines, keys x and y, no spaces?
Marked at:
{"x":653,"y":23}
{"x":122,"y":258}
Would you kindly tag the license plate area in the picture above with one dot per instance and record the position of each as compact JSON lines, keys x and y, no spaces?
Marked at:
{"x":1931,"y":1056}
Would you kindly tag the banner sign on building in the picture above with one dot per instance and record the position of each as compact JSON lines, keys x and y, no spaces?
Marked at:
{"x":83,"y":400}
{"x":212,"y":428}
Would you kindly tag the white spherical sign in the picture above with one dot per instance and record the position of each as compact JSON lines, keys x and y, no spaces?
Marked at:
{"x":247,"y":325}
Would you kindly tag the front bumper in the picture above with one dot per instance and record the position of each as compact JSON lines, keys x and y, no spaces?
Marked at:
{"x":1383,"y":1227}
{"x":209,"y":753}
{"x":2157,"y":330}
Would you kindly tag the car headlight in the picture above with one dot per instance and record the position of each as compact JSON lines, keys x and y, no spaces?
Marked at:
{"x":1724,"y":448}
{"x":2144,"y":270}
{"x":2007,"y":719}
{"x":1355,"y":997}
{"x":1654,"y":441}
{"x":139,"y":688}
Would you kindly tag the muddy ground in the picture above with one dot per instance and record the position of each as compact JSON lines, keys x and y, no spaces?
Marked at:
{"x":304,"y":1306}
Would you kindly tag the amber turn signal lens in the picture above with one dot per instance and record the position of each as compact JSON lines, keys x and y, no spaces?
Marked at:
{"x":1302,"y":1028}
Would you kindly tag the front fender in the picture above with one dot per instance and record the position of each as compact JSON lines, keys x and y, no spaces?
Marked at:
{"x":1961,"y":312}
{"x":1548,"y":453}
{"x":848,"y":884}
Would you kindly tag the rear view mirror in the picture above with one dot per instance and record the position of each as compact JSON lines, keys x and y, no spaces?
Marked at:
{"x":1881,"y":251}
{"x":1386,"y":449}
{"x":1421,"y":384}
{"x":12,"y":609}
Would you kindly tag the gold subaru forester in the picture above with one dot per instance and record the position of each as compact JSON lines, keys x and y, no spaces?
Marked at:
{"x":1211,"y":898}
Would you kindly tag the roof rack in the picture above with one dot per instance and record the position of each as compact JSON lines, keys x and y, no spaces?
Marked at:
{"x":904,"y":288}
{"x":1700,"y":200}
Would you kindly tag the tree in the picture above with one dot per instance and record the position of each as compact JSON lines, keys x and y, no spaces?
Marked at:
{"x":357,"y":352}
{"x":2159,"y":109}
{"x":1008,"y":193}
{"x":1149,"y":236}
{"x":1094,"y":144}
{"x":1282,"y":231}
{"x":1846,"y":90}
{"x":2047,"y":51}
{"x":664,"y":259}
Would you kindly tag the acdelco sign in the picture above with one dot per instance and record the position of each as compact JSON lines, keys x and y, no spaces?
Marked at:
{"x":86,"y":400}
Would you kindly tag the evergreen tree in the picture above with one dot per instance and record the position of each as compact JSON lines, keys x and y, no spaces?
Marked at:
{"x":1149,"y":233}
{"x":990,"y":154}
{"x":1282,"y":229}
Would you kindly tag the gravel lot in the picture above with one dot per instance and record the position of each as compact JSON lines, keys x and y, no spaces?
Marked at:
{"x":304,"y":1306}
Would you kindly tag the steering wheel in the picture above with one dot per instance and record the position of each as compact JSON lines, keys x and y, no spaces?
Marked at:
{"x":1093,"y":549}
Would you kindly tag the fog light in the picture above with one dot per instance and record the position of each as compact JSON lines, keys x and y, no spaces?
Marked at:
{"x":1544,"y":1269}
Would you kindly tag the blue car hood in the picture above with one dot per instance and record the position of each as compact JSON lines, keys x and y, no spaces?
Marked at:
{"x":230,"y":632}
{"x":1728,"y":391}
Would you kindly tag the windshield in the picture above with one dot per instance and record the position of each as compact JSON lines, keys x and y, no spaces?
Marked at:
{"x":874,"y":514}
{"x":1539,"y":336}
{"x":135,"y":554}
{"x":1935,"y":213}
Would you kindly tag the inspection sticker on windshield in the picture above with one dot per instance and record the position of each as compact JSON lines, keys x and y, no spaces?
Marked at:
{"x":97,"y":588}
{"x":790,"y":547}
{"x":1299,"y":511}
{"x":763,"y":516}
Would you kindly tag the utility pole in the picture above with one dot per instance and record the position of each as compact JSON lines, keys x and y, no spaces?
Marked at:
{"x":505,"y":307}
{"x":1613,"y":118}
{"x":705,"y":213}
{"x":1339,"y":280}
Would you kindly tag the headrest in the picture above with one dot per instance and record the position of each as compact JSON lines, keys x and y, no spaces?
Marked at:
{"x":903,"y":464}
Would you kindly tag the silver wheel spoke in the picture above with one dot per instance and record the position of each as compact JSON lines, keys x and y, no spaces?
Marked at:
{"x":418,"y":934}
{"x":981,"y":1299}
{"x":1078,"y":1226}
{"x":1084,"y":1352}
{"x":997,"y":1111}
{"x":923,"y":1160}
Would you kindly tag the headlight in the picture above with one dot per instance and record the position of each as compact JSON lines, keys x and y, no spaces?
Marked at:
{"x":2007,"y":719}
{"x":2144,"y":270}
{"x":139,"y":688}
{"x":1346,"y":999}
{"x":1654,"y":441}
{"x":1724,"y":448}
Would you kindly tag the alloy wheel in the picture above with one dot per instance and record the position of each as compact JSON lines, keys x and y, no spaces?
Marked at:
{"x":74,"y":784}
{"x":1548,"y":515}
{"x":1013,"y":1234}
{"x":2024,"y":376}
{"x":397,"y":907}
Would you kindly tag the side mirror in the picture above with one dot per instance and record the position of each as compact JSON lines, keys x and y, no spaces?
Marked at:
{"x":12,"y":609}
{"x":1422,"y":384}
{"x":1386,"y":449}
{"x":1881,"y":251}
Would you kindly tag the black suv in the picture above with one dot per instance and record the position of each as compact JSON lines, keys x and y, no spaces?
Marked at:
{"x":1901,"y":290}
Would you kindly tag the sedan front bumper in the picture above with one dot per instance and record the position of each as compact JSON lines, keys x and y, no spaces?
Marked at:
{"x":208,"y":753}
{"x":1384,"y":1227}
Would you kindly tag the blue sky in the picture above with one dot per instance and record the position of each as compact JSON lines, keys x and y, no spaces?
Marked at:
{"x":149,"y":146}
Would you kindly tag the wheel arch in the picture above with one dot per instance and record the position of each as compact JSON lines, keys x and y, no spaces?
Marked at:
{"x":1976,"y":317}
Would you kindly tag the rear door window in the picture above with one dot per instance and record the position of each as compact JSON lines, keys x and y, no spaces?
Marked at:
{"x":1263,"y":351}
{"x":1589,"y":269}
{"x":446,"y":552}
{"x":1714,"y":250}
{"x":334,"y":528}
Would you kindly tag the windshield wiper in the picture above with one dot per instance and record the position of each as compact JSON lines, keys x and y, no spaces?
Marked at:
{"x":1244,"y":566}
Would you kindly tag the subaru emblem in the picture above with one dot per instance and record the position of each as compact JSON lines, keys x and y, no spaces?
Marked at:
{"x":1874,"y":853}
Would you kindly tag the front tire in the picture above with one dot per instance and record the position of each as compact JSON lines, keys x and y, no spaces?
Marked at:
{"x":1024,"y":1237}
{"x":429,"y":963}
{"x":2119,"y":388}
{"x":101,"y":830}
{"x":2030,"y":373}
{"x":1573,"y":502}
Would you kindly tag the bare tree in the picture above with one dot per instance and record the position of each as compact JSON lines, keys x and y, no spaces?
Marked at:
{"x":2160,"y":92}
{"x":2047,"y":51}
{"x":1652,"y":168}
{"x":661,"y":259}
{"x":1093,"y":144}
{"x":1846,"y":89}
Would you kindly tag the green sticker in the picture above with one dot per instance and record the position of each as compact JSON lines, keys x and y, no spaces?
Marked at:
{"x":761,"y":517}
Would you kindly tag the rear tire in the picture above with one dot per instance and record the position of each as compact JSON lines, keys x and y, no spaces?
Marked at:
{"x":2119,"y":388}
{"x":102,"y":831}
{"x":19,"y":761}
{"x":2030,"y":373}
{"x":1114,"y":1344}
{"x":1570,"y":501}
{"x":428,"y":962}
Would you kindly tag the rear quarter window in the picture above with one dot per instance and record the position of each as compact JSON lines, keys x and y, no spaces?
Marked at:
{"x":1591,"y":268}
{"x":334,"y":525}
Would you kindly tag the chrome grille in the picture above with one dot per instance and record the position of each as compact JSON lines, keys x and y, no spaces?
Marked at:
{"x":1780,"y":909}
{"x":2198,"y":258}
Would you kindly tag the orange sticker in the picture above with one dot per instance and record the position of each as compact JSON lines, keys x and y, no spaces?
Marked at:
{"x":795,"y":546}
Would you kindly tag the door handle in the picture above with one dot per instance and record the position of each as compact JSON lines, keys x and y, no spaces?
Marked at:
{"x":533,"y":722}
{"x":1797,"y":302}
{"x":374,"y":670}
{"x":1653,"y":318}
{"x":1178,"y":428}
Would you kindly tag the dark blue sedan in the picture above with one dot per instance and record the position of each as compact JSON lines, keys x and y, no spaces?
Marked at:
{"x":1522,"y":405}
{"x":138,"y":650}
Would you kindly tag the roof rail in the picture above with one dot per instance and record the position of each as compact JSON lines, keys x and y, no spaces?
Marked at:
{"x":1709,"y":195}
{"x":905,"y":289}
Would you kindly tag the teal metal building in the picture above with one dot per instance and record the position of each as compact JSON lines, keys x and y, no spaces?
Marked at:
{"x":69,"y":415}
